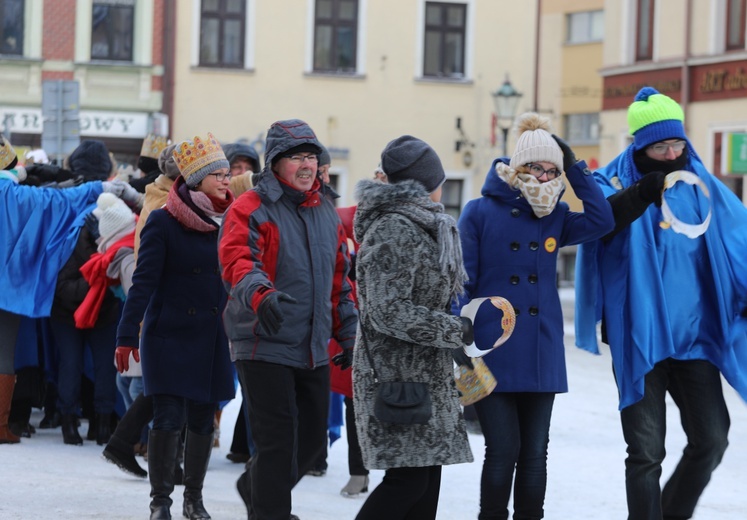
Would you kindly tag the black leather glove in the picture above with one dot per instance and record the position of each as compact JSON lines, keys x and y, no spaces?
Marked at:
{"x":344,"y":359}
{"x":269,"y":313}
{"x":569,"y":158}
{"x":461,"y":358}
{"x":468,"y":331}
{"x":92,"y":225}
{"x":651,"y":186}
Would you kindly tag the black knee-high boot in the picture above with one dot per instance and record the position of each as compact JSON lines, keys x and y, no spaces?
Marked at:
{"x":162,"y":446}
{"x":197,"y":449}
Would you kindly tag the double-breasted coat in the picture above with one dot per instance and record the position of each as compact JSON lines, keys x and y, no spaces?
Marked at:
{"x":178,"y":294}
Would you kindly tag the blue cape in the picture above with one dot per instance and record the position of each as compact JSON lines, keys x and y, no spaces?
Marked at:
{"x":623,"y":279}
{"x":38,"y":231}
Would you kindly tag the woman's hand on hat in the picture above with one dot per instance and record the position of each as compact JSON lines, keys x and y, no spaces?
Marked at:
{"x":122,"y":357}
{"x":569,"y":158}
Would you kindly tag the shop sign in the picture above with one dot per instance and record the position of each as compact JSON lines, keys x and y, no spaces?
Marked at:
{"x":93,"y":123}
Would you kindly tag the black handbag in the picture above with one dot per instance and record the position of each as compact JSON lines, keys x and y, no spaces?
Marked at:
{"x":400,"y":402}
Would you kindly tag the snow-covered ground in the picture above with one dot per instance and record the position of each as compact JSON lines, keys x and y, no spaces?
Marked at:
{"x":44,"y":479}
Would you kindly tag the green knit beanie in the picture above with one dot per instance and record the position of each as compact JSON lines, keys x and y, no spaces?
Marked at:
{"x":654,"y":117}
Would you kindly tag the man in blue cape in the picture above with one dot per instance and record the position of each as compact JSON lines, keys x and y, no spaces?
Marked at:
{"x":38,"y":231}
{"x":671,"y":306}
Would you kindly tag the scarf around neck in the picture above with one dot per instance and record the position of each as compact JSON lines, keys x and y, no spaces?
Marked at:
{"x":541,"y":196}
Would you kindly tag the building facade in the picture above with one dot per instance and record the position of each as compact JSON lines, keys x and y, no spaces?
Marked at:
{"x":113,"y":50}
{"x":693,"y":51}
{"x":360,"y":72}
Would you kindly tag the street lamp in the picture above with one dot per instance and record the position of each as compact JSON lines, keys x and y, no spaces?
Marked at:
{"x":506,"y":100}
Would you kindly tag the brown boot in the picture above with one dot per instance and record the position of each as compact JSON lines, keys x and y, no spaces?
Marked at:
{"x":7,"y":384}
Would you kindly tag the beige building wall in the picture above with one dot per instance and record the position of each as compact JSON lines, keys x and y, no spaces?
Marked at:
{"x":359,"y":114}
{"x":690,"y":54}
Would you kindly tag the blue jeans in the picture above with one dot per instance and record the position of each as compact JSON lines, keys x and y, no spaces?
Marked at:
{"x":129,"y":388}
{"x":71,"y":343}
{"x":517,"y":431}
{"x":695,"y":387}
{"x":171,"y":412}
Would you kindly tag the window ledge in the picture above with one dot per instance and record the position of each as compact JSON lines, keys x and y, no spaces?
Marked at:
{"x":109,"y":64}
{"x":334,"y":75}
{"x":442,"y":80}
{"x":20,"y":60}
{"x":585,"y":42}
{"x":217,"y":68}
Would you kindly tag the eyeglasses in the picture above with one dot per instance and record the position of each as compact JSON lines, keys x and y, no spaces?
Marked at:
{"x":663,"y":148}
{"x":298,"y":158}
{"x":538,"y":171}
{"x":220,"y":177}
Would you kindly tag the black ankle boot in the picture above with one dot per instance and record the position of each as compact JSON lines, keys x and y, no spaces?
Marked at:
{"x":103,"y":428}
{"x":70,"y":433}
{"x":197,"y":449}
{"x":162,"y":446}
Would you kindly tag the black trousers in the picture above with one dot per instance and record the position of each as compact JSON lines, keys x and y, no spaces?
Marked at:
{"x":404,"y":494}
{"x":355,"y":457}
{"x":288,"y":410}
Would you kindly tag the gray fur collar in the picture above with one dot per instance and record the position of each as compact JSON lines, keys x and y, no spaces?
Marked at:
{"x":410,"y":199}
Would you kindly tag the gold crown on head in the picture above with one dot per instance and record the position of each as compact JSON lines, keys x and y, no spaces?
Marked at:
{"x":193,"y":156}
{"x":153,"y":145}
{"x":7,"y":153}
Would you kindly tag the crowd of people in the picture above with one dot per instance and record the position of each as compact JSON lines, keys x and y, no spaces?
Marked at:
{"x":141,"y":303}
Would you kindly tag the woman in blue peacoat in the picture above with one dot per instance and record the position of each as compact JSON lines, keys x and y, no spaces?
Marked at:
{"x":510,"y":238}
{"x":178,"y":295}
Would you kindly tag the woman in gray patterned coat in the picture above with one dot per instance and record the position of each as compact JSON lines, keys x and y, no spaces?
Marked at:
{"x":409,"y":269}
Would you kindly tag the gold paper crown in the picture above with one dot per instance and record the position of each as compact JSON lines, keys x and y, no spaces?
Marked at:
{"x":153,"y":145}
{"x":7,"y":153}
{"x":191,"y":156}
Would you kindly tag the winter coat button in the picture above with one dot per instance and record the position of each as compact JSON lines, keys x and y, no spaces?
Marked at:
{"x":515,"y":212}
{"x":514,"y":280}
{"x":534,"y":246}
{"x":532,"y":278}
{"x":191,"y":311}
{"x":533,"y":311}
{"x":214,"y":311}
{"x":516,"y":311}
{"x":514,"y":246}
{"x":196,"y":270}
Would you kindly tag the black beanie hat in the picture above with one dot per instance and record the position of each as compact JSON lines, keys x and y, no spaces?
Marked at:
{"x":409,"y":158}
{"x":91,"y":160}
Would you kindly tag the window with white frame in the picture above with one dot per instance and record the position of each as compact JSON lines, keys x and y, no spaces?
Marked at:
{"x":585,"y":27}
{"x":112,"y":28}
{"x":11,"y":27}
{"x":335,"y":35}
{"x":222,"y":32}
{"x":582,"y":128}
{"x":445,"y":39}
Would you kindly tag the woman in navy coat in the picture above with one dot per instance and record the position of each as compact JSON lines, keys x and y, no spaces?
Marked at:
{"x":510,"y":238}
{"x":178,"y":295}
